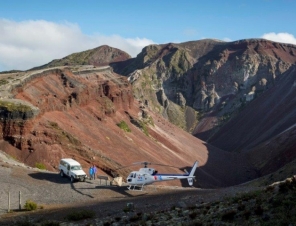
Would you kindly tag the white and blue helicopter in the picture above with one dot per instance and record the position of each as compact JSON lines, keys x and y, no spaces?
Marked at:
{"x":147,"y":176}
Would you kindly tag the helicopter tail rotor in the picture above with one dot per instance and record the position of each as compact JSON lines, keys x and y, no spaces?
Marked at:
{"x":191,"y":174}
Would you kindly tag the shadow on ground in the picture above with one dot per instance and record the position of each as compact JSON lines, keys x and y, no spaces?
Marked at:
{"x":55,"y":178}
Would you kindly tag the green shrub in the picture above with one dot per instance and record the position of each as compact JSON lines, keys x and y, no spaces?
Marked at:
{"x":30,"y":205}
{"x":40,"y":166}
{"x":80,"y":215}
{"x":123,"y":125}
{"x":144,"y":128}
{"x":150,"y":121}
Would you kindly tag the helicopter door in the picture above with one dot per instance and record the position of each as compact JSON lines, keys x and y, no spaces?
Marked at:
{"x":145,"y":176}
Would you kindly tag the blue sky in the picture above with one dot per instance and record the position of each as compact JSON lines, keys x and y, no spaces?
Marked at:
{"x":34,"y":32}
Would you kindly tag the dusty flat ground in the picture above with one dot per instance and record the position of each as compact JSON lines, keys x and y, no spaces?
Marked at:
{"x":58,"y":196}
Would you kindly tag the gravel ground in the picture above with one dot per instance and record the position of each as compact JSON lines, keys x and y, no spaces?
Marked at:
{"x":58,"y":196}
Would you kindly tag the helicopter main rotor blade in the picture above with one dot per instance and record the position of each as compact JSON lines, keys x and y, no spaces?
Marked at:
{"x":145,"y":163}
{"x":124,"y":167}
{"x":165,"y":165}
{"x":157,"y":164}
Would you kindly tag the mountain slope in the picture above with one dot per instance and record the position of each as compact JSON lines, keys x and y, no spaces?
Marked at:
{"x":238,"y":96}
{"x":78,"y":113}
{"x":265,"y":129}
{"x":184,"y":81}
{"x":100,"y":56}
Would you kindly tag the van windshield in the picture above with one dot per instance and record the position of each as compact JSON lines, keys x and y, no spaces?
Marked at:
{"x":75,"y":167}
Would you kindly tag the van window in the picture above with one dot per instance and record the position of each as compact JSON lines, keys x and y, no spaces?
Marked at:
{"x":62,"y":163}
{"x":68,"y":167}
{"x":75,"y":167}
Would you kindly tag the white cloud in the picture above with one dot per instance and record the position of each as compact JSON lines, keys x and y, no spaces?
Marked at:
{"x":227,"y":39}
{"x":280,"y":37}
{"x":31,"y":43}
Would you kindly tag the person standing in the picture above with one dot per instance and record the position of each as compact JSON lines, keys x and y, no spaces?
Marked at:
{"x":94,"y":171}
{"x":91,"y":172}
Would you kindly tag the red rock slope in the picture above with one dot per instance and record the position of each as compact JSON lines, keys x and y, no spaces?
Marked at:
{"x":78,"y":118}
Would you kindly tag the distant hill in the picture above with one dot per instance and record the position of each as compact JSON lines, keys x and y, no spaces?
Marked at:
{"x":100,"y":56}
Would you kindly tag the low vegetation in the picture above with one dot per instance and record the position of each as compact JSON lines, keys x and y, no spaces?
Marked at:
{"x":275,"y":205}
{"x":124,"y":126}
{"x":3,"y":82}
{"x":40,"y":166}
{"x":10,"y":106}
{"x":63,"y":135}
{"x":30,"y":205}
{"x":144,"y":127}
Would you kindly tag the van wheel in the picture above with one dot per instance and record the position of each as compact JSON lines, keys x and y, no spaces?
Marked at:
{"x":72,"y":179}
{"x":62,"y":173}
{"x":83,"y":180}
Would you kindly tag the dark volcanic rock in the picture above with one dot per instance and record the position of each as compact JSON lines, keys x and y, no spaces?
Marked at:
{"x":211,"y":75}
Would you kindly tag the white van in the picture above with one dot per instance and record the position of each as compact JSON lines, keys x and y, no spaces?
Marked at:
{"x":72,"y":169}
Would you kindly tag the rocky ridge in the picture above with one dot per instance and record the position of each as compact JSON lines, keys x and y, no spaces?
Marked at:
{"x":187,"y":79}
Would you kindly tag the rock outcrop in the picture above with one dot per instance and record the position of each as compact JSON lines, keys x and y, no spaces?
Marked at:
{"x":209,"y":74}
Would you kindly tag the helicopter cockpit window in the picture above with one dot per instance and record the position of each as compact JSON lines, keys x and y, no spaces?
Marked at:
{"x":132,"y":175}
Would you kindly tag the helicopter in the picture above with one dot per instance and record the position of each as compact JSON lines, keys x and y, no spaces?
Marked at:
{"x":147,"y":176}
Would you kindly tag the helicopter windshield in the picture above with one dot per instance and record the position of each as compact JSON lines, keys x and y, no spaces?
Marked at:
{"x":132,"y":175}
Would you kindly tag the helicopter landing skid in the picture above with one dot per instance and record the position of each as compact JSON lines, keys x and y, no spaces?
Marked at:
{"x":134,"y":187}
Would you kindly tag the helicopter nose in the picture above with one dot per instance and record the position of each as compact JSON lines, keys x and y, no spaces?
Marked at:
{"x":129,"y":180}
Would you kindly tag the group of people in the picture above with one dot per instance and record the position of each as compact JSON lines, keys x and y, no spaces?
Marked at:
{"x":92,"y":172}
